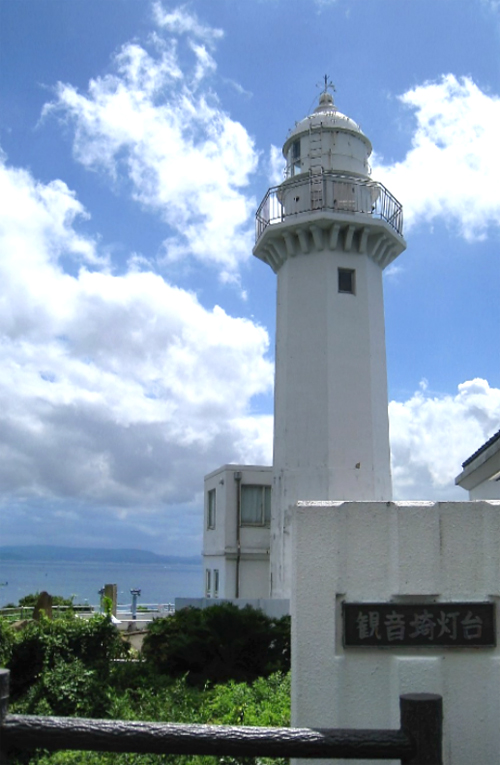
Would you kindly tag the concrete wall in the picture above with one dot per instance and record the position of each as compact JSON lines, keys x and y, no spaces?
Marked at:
{"x":221,"y":547}
{"x":486,"y":490}
{"x":481,"y":475}
{"x":331,"y":429}
{"x":402,"y":553}
{"x":254,"y":577}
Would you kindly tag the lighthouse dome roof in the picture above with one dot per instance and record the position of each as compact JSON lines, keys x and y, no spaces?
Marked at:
{"x":326,"y":115}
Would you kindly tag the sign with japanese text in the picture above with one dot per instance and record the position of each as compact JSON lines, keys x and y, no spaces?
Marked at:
{"x":430,"y":624}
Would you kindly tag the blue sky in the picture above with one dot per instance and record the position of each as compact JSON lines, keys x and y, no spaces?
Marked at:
{"x":137,"y":330}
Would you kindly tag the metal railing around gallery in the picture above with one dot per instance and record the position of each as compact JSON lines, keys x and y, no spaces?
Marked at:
{"x":330,"y":192}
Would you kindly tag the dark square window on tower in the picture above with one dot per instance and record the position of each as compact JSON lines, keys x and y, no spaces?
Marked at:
{"x":347,"y":280}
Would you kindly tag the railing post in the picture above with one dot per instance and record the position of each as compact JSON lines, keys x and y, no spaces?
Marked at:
{"x":4,"y":703}
{"x":422,"y":721}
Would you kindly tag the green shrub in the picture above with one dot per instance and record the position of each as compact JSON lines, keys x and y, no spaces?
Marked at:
{"x":6,"y":642}
{"x":218,"y":644}
{"x":64,"y":667}
{"x":41,"y":647}
{"x":67,"y":688}
{"x":266,"y":702}
{"x":32,"y":599}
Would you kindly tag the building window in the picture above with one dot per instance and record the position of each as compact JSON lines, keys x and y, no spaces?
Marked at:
{"x":294,"y":158}
{"x":208,"y":582}
{"x":255,"y":505}
{"x":347,"y":280}
{"x":216,"y":582}
{"x":211,"y":509}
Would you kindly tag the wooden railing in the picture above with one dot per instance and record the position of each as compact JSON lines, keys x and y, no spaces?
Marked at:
{"x":417,"y":742}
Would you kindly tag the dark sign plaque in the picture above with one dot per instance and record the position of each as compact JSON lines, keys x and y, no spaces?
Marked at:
{"x":390,"y":625}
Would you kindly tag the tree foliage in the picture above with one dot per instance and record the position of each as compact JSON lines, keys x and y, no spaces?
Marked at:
{"x":66,"y":666}
{"x":32,"y":598}
{"x":219,"y":644}
{"x":264,"y":702}
{"x":66,"y":652}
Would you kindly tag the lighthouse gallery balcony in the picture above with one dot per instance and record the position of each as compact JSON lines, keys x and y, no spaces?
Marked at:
{"x":328,"y":192}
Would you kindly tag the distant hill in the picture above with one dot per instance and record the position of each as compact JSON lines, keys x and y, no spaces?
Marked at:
{"x":88,"y":554}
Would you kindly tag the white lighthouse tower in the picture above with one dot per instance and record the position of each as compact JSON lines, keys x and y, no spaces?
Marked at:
{"x":328,"y":231}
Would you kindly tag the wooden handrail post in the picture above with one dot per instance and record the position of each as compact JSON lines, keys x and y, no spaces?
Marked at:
{"x":4,"y":703}
{"x":422,"y":721}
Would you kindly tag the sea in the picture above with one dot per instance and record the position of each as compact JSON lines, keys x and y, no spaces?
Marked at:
{"x":159,"y":583}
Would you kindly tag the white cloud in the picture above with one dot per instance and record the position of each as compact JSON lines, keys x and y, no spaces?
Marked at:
{"x":493,"y":5}
{"x":180,"y":21}
{"x":276,"y":165}
{"x":161,"y":129}
{"x":451,"y":172}
{"x":115,"y":391}
{"x":393,"y":271}
{"x":432,"y":435}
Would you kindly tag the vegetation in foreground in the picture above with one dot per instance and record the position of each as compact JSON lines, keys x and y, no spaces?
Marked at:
{"x":221,"y":666}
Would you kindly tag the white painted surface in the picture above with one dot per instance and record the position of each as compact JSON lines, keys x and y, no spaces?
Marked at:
{"x":331,"y":432}
{"x":328,"y":139}
{"x":486,"y":490}
{"x":400,"y":552}
{"x":481,"y":476}
{"x":227,"y":551}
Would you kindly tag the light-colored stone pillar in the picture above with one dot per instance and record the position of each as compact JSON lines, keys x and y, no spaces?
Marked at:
{"x":402,"y":554}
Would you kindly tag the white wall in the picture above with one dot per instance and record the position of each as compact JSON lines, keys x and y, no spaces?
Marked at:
{"x":328,"y":139}
{"x":220,"y":544}
{"x":403,"y":553}
{"x":254,"y":576}
{"x":480,"y":476}
{"x":331,"y":430}
{"x":486,"y":490}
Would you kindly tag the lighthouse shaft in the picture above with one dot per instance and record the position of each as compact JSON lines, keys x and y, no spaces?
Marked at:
{"x":331,"y":424}
{"x":328,"y":231}
{"x":331,"y":431}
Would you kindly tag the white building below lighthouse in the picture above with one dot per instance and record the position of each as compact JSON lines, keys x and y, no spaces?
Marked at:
{"x":328,"y":231}
{"x":480,"y":474}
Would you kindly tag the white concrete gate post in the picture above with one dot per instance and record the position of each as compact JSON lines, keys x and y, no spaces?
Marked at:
{"x":434,"y":554}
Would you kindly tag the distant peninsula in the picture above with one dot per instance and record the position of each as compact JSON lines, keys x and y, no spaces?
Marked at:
{"x":89,"y":555}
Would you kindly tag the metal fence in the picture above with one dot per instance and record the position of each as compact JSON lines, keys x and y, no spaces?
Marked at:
{"x":15,"y":613}
{"x":417,"y":742}
{"x":331,"y":193}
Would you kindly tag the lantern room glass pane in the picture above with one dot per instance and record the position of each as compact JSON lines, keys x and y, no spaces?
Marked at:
{"x":294,"y":163}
